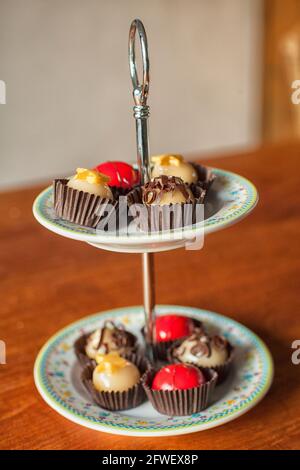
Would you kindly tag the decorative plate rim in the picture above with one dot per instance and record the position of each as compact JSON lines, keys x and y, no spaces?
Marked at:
{"x":224,"y":217}
{"x":133,"y":430}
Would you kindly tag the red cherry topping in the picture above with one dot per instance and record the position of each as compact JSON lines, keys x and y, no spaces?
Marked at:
{"x":121,"y":174}
{"x":171,"y":327}
{"x":178,"y":377}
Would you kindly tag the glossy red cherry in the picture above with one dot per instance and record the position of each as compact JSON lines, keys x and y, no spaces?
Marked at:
{"x":171,"y":327}
{"x":178,"y":377}
{"x":121,"y":174}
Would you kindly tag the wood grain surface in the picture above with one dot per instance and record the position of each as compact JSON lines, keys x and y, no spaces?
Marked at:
{"x":249,"y":271}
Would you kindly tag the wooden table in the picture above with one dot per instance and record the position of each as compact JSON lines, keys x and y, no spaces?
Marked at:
{"x":249,"y":272}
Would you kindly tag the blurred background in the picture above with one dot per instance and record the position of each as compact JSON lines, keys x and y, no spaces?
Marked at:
{"x":221,"y":75}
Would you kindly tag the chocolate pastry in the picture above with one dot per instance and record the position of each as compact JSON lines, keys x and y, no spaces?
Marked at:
{"x":179,"y":389}
{"x":85,"y":198}
{"x":114,"y":373}
{"x":91,"y":181}
{"x":115,"y":383}
{"x":109,"y":338}
{"x":165,"y":190}
{"x":174,"y":165}
{"x":202,"y":350}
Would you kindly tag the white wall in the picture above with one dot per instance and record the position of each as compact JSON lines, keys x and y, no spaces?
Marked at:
{"x":69,"y":97}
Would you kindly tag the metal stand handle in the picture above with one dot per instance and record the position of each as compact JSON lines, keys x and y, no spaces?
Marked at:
{"x":141,"y":113}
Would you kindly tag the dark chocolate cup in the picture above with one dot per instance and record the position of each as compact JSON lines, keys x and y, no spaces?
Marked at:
{"x":117,"y":401}
{"x":79,"y":348}
{"x":180,"y":402}
{"x":168,"y":217}
{"x":80,"y":207}
{"x":161,"y":348}
{"x":222,"y":370}
{"x":205,"y":176}
{"x":80,"y":343}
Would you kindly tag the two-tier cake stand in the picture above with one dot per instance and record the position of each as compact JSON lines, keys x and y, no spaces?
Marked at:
{"x":229,"y":200}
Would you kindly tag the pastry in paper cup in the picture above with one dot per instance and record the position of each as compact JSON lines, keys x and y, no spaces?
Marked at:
{"x":79,"y":348}
{"x":122,"y":175}
{"x":176,"y":395}
{"x":85,"y":198}
{"x":170,"y":328}
{"x":115,"y":383}
{"x":175,"y":165}
{"x":103,"y":340}
{"x":205,"y":175}
{"x":166,"y":203}
{"x":203,"y":351}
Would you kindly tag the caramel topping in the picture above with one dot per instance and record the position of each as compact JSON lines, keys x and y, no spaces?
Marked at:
{"x":91,"y":176}
{"x":110,"y":363}
{"x":167,"y":160}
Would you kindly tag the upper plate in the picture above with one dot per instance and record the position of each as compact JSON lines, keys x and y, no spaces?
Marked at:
{"x":57,"y":377}
{"x":230,"y":199}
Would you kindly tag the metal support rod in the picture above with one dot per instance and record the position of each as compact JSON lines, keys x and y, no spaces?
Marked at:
{"x":142,"y":141}
{"x":149,"y":295}
{"x":141,"y":113}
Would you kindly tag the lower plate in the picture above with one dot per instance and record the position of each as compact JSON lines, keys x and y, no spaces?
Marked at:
{"x":56,"y":375}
